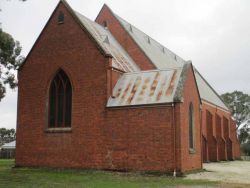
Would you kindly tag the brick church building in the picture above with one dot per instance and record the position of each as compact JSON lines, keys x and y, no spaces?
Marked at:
{"x":104,"y":95}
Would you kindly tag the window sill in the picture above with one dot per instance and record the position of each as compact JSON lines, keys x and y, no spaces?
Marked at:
{"x":59,"y":130}
{"x":192,"y":151}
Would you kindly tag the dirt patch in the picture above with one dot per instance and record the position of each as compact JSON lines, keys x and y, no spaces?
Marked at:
{"x":229,"y":173}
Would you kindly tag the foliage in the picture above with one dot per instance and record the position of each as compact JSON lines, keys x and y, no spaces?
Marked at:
{"x":239,"y":104}
{"x":7,"y":135}
{"x":245,"y":147}
{"x":10,"y":60}
{"x":42,"y":177}
{"x":243,"y":135}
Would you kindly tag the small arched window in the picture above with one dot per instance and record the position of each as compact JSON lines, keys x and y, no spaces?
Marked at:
{"x":191,"y":126}
{"x":60,"y":101}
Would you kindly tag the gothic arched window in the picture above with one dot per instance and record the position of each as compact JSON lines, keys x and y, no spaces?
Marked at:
{"x":60,"y":101}
{"x":191,"y":126}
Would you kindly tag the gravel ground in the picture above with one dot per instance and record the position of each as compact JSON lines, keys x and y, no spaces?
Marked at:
{"x":233,"y":172}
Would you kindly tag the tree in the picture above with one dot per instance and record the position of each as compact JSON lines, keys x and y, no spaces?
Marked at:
{"x":239,"y":104}
{"x":245,"y":147}
{"x":243,"y":135}
{"x":10,"y":60}
{"x":7,"y":135}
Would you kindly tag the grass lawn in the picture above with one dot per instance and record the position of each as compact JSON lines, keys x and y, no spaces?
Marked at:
{"x":42,"y":177}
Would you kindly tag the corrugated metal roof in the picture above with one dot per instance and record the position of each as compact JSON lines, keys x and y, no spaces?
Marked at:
{"x":163,"y":58}
{"x":159,"y":55}
{"x":207,"y":93}
{"x":10,"y":145}
{"x":121,"y":60}
{"x":145,"y":87}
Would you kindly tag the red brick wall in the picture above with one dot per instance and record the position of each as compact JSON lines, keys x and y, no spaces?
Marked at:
{"x":190,"y":161}
{"x":68,"y":47}
{"x":101,"y":138}
{"x":235,"y":142}
{"x":220,"y":139}
{"x":221,"y":127}
{"x":139,"y":138}
{"x":211,"y":136}
{"x":124,"y":39}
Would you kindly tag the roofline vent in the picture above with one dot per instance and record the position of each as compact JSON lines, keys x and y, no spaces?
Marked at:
{"x":106,"y":40}
{"x":148,"y":39}
{"x":130,"y":28}
{"x":163,"y":50}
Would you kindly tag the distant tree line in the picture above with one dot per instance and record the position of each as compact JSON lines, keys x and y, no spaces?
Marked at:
{"x":7,"y":135}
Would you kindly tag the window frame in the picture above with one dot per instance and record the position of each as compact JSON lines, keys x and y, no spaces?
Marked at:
{"x":67,"y":84}
{"x":191,"y":131}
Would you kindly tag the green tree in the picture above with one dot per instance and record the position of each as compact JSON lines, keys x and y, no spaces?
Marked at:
{"x":10,"y":60}
{"x":245,"y":147}
{"x":7,"y":135}
{"x":239,"y":104}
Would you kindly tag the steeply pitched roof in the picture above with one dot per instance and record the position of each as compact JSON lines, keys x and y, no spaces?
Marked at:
{"x":145,"y":87}
{"x":207,"y":93}
{"x":163,"y":58}
{"x":159,"y":55}
{"x":10,"y":145}
{"x":102,"y":37}
{"x":121,"y":59}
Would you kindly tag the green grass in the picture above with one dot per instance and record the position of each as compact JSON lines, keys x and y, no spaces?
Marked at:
{"x":42,"y":177}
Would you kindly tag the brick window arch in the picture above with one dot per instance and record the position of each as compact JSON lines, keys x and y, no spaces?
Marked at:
{"x":191,"y":126}
{"x":60,"y":101}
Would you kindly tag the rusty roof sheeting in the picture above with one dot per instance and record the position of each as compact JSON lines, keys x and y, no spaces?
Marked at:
{"x":163,"y":58}
{"x":145,"y":87}
{"x":121,"y":60}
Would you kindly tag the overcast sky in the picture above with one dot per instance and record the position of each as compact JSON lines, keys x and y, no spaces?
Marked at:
{"x":214,"y":34}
